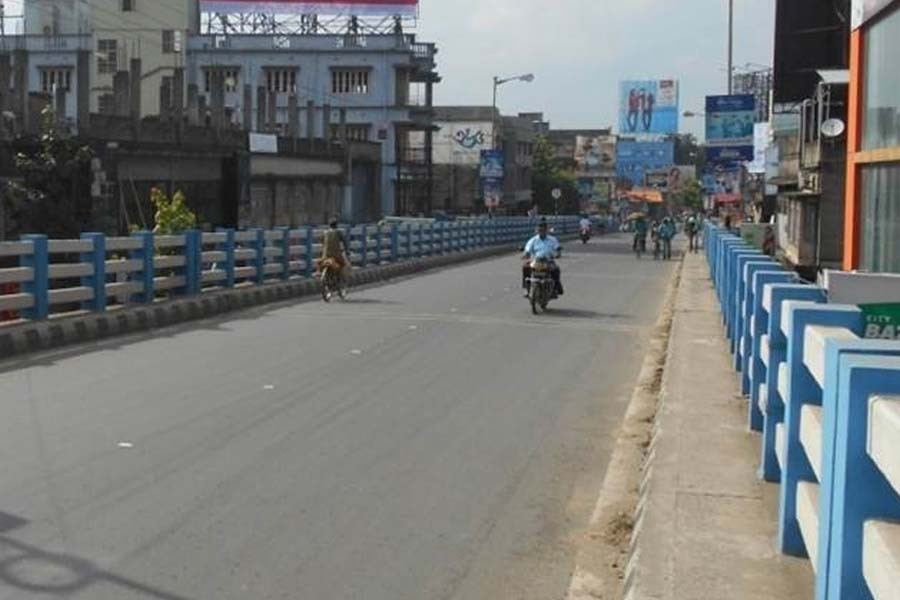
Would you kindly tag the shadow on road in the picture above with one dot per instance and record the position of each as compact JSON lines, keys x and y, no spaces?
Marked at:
{"x":30,"y":569}
{"x":577,"y":313}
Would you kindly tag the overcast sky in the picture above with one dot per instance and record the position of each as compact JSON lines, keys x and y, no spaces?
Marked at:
{"x":580,"y":49}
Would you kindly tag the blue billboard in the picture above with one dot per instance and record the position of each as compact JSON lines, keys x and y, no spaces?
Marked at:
{"x":492,"y":162}
{"x":729,"y":128}
{"x":648,"y":107}
{"x":634,"y":159}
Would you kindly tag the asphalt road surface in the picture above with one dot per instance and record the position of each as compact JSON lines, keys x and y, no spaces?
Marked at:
{"x":428,"y":439}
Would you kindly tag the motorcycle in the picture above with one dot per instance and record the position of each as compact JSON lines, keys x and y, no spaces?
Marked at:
{"x":541,"y":287}
{"x":585,"y":235}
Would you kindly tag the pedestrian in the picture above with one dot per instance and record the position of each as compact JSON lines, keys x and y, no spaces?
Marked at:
{"x":666,"y":233}
{"x":769,"y":243}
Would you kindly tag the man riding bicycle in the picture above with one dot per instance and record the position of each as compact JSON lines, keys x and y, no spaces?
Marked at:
{"x":335,"y":248}
{"x":640,"y":234}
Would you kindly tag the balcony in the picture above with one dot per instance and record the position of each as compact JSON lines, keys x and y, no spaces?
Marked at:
{"x":47,"y":43}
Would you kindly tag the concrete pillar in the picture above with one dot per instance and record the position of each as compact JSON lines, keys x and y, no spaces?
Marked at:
{"x":165,"y":99}
{"x":273,"y":112}
{"x":178,"y":96}
{"x":134,"y":108}
{"x":20,"y":82}
{"x":342,"y":128}
{"x":203,"y":111}
{"x":60,"y":105}
{"x":311,"y":124}
{"x":193,"y":105}
{"x":326,"y":123}
{"x":260,"y":109}
{"x":5,"y":79}
{"x":247,"y":117}
{"x":217,"y":98}
{"x":293,"y":118}
{"x":83,"y":91}
{"x":122,"y":93}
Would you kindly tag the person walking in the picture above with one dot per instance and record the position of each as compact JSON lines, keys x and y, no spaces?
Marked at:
{"x":666,"y":233}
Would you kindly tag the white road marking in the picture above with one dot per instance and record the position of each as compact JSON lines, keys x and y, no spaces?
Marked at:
{"x":125,"y":445}
{"x":268,"y":387}
{"x":356,"y":352}
{"x":413,"y":327}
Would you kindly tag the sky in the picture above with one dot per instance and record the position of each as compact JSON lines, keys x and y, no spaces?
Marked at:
{"x":579,"y":50}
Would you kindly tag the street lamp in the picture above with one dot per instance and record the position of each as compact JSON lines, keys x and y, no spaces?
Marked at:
{"x":528,"y":78}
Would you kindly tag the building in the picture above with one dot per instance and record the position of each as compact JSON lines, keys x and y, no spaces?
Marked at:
{"x":872,"y":224}
{"x":517,"y":137}
{"x":810,"y":88}
{"x":366,"y":88}
{"x":591,"y":155}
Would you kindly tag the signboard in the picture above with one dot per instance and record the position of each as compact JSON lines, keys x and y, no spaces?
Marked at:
{"x":729,"y":127}
{"x":461,"y":143}
{"x":314,"y":7}
{"x":492,"y":164}
{"x":493,"y":192}
{"x":864,"y":10}
{"x":882,"y":321}
{"x":264,"y":143}
{"x":634,"y":159}
{"x":648,"y":107}
{"x":760,"y":145}
{"x":594,"y":156}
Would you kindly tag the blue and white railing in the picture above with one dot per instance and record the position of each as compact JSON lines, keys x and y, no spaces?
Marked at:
{"x":827,"y":402}
{"x":97,"y":272}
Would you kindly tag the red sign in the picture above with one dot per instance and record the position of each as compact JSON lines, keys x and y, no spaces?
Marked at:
{"x":314,"y":7}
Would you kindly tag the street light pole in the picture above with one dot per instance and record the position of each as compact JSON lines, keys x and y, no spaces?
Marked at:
{"x":730,"y":45}
{"x":494,"y":115}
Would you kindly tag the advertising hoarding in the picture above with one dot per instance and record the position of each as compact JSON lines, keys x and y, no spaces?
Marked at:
{"x":634,"y":159}
{"x":761,"y":136}
{"x":648,"y":107}
{"x":461,"y":143}
{"x":320,"y":7}
{"x":492,"y":164}
{"x":729,"y":127}
{"x":493,"y":192}
{"x":594,"y":156}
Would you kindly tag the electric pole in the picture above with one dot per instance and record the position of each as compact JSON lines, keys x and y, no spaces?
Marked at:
{"x":730,"y":45}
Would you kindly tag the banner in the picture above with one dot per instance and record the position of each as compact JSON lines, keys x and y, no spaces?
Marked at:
{"x":594,"y":156}
{"x":317,"y":7}
{"x":882,"y":321}
{"x":461,"y":143}
{"x":634,"y":159}
{"x":864,"y":10}
{"x":648,"y":107}
{"x":493,"y":192}
{"x":729,"y":127}
{"x":492,"y":164}
{"x":761,"y":132}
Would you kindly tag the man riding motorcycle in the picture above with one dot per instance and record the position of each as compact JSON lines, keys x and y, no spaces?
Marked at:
{"x":542,"y":246}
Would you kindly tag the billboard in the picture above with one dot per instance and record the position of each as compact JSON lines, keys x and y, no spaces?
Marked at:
{"x":648,"y":107}
{"x":461,"y":143}
{"x":594,"y":156}
{"x":492,"y":164}
{"x":634,"y":159}
{"x":493,"y":192}
{"x":761,"y":133}
{"x":319,"y":7}
{"x":729,"y":127}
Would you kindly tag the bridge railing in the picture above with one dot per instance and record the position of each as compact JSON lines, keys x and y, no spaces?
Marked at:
{"x":827,"y":402}
{"x":95,"y":273}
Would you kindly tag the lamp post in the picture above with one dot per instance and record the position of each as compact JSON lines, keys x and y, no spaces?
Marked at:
{"x":730,"y":45}
{"x":498,"y":81}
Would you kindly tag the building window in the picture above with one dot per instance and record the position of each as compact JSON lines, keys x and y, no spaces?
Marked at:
{"x":53,"y":79}
{"x":128,"y":5}
{"x":350,"y":81}
{"x":171,"y":41}
{"x":881,"y":125}
{"x":282,"y":81}
{"x":231,"y":80}
{"x":880,"y":212}
{"x":354,"y":132}
{"x":107,"y":56}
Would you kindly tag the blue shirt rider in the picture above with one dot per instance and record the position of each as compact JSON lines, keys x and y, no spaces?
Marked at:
{"x":546,"y":246}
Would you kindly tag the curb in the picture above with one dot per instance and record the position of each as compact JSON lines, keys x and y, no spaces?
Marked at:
{"x":620,"y":505}
{"x":82,"y":327}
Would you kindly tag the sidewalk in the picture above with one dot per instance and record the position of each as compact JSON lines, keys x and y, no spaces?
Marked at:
{"x":706,"y":524}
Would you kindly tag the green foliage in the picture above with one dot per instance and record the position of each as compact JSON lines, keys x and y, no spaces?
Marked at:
{"x":53,"y":195}
{"x":544,"y":158}
{"x":172,"y":214}
{"x":690,"y":195}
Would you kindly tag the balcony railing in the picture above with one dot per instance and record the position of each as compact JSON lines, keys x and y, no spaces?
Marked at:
{"x":47,"y":43}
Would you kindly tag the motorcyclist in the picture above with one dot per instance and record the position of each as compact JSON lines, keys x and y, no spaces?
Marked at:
{"x":585,"y":224}
{"x":546,"y":246}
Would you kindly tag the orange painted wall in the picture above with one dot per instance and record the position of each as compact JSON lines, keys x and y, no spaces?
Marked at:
{"x":853,"y":201}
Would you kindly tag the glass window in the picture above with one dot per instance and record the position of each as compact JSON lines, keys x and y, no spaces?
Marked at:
{"x":881,"y":126}
{"x":881,"y":218}
{"x":107,"y":56}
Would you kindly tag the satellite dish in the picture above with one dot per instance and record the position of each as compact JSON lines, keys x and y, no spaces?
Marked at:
{"x":832,"y":128}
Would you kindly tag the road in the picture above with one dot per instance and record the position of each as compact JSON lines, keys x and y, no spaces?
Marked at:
{"x":429,"y":439}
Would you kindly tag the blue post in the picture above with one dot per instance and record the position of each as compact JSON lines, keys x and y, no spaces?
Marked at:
{"x":378,"y":242}
{"x":229,"y":247}
{"x":147,"y":255}
{"x":259,"y":244}
{"x":802,"y":389}
{"x":308,"y":259}
{"x":744,"y":341}
{"x":286,"y":253}
{"x":773,"y":411}
{"x":409,"y":238}
{"x":39,"y":286}
{"x":395,"y":243}
{"x":97,"y":281}
{"x":192,"y":261}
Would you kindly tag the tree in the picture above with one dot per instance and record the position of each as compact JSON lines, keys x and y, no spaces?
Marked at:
{"x":53,"y":196}
{"x":547,"y":176}
{"x":172,"y":214}
{"x":690,"y":195}
{"x":544,"y":158}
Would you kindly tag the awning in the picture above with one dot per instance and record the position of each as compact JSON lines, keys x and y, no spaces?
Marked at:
{"x":648,"y":195}
{"x":727,"y":199}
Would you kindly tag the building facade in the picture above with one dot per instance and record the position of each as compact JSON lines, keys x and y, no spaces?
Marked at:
{"x":872,"y":218}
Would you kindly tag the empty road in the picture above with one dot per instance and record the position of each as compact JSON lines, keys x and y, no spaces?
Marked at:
{"x":429,"y":439}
